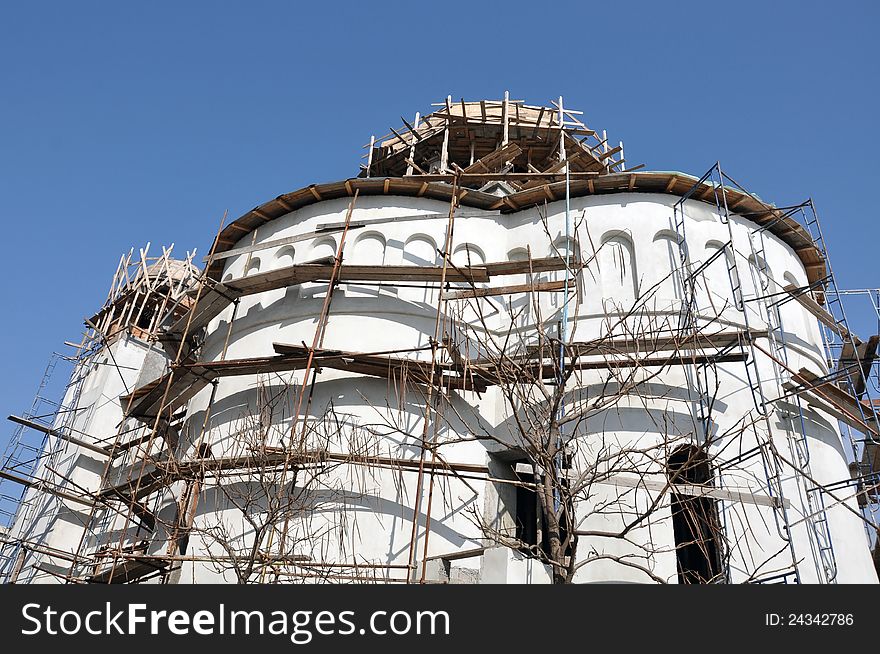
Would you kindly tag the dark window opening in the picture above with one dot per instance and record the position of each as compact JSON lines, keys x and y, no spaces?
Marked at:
{"x":145,"y":319}
{"x":527,"y":513}
{"x":695,"y":520}
{"x":531,"y":523}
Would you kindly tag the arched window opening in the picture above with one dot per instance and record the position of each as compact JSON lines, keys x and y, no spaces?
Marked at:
{"x":284,"y":257}
{"x":369,"y":250}
{"x":253,"y":266}
{"x":719,"y":279}
{"x":419,"y":250}
{"x":563,"y":248}
{"x":695,"y":520}
{"x":793,"y":317}
{"x":760,"y":273}
{"x":617,"y":266}
{"x":468,"y":254}
{"x":325,"y":249}
{"x":519,"y":304}
{"x":669,"y":259}
{"x":520,"y":254}
{"x":322,"y":251}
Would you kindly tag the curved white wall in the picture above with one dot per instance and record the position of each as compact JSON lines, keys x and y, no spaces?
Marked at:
{"x":630,"y":242}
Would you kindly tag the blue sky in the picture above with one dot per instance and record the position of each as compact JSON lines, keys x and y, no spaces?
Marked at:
{"x":122,"y":123}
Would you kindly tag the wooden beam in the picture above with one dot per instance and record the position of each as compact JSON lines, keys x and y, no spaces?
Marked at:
{"x":355,"y":459}
{"x":214,"y":300}
{"x":444,"y":150}
{"x":45,"y":487}
{"x":744,"y":495}
{"x":414,"y":167}
{"x":303,"y":273}
{"x":127,"y":571}
{"x":457,"y":556}
{"x":816,"y":310}
{"x":609,"y":153}
{"x":507,"y":290}
{"x":545,"y":264}
{"x":412,"y":145}
{"x":658,"y":343}
{"x":287,"y":240}
{"x":387,"y":367}
{"x":490,"y":161}
{"x":838,"y":403}
{"x":52,"y":432}
{"x":505,"y":113}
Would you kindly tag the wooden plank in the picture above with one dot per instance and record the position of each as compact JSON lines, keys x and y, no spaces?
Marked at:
{"x":356,"y":459}
{"x":525,"y":371}
{"x":137,"y":488}
{"x":609,"y":153}
{"x":457,"y":556}
{"x":127,"y":571}
{"x":268,"y":459}
{"x":145,"y":402}
{"x":658,"y":362}
{"x":490,"y":161}
{"x":134,"y":442}
{"x":657,"y":343}
{"x":507,"y":290}
{"x":305,"y":273}
{"x":211,"y":304}
{"x":218,"y":297}
{"x":386,"y":367}
{"x":288,"y":240}
{"x":44,"y":486}
{"x":742,"y":495}
{"x":546,"y":264}
{"x":816,"y":310}
{"x":52,"y":432}
{"x":841,"y":404}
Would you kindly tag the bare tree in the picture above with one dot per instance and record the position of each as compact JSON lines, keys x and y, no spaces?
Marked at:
{"x":552,"y":386}
{"x":267,"y":493}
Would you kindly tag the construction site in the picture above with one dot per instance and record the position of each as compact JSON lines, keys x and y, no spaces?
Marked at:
{"x":498,"y":354}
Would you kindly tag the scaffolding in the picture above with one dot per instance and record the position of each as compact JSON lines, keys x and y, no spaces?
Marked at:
{"x":502,"y":156}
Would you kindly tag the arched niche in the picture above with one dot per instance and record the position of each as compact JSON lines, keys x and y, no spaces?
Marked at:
{"x":617,"y":269}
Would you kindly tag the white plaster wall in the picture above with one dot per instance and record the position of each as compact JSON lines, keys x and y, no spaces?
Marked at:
{"x":50,"y":520}
{"x":366,"y":516}
{"x":640,"y":229}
